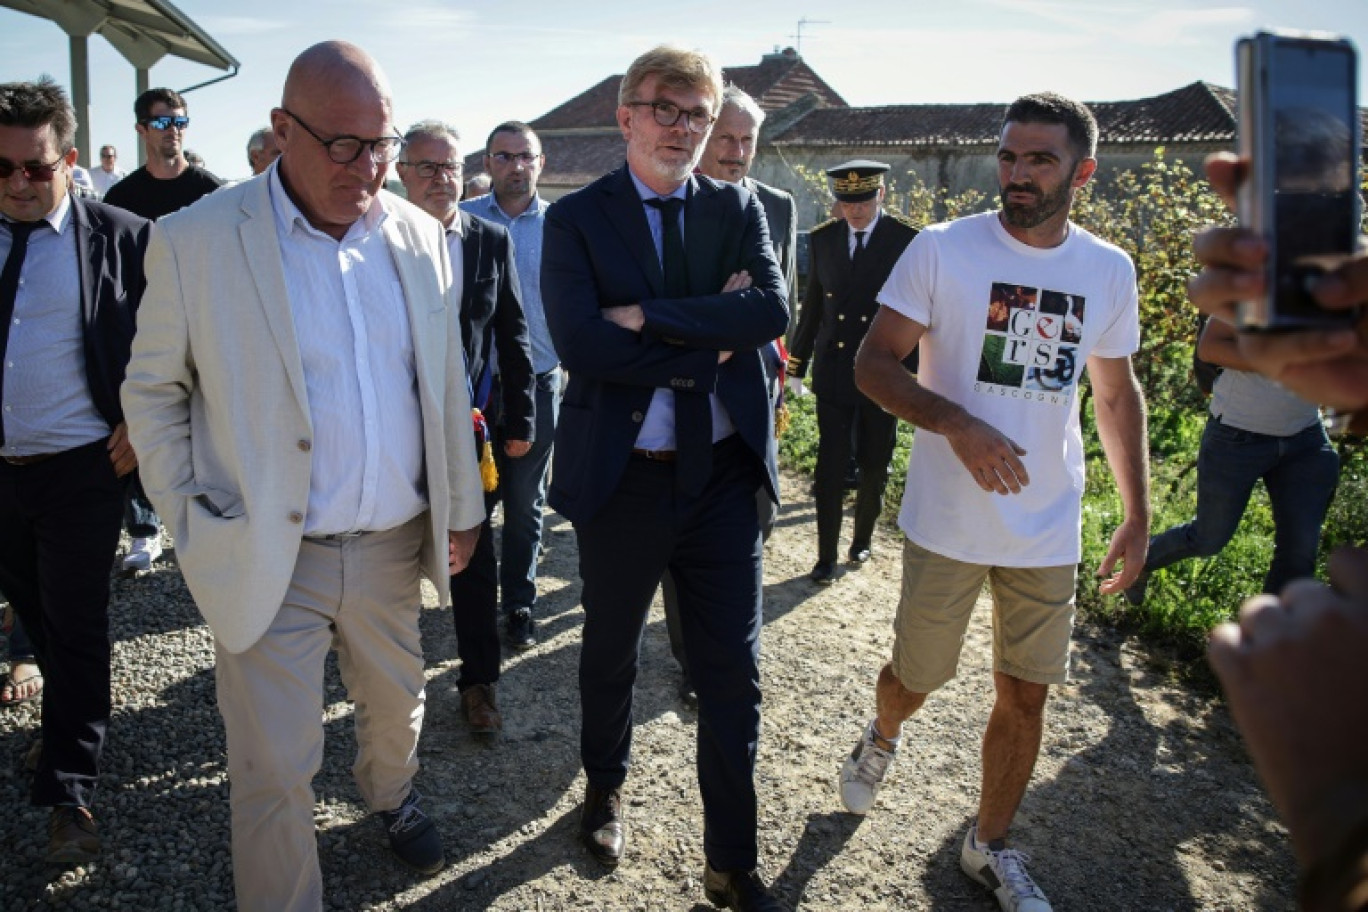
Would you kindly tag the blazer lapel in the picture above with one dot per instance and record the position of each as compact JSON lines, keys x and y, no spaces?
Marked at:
{"x":90,"y":254}
{"x":471,"y":239}
{"x":262,"y":249}
{"x":702,"y":240}
{"x":626,"y":214}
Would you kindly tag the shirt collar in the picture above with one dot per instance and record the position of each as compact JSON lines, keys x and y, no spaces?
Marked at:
{"x":57,"y":218}
{"x":867,"y":229}
{"x":288,"y":215}
{"x":533,"y":208}
{"x":646,"y":193}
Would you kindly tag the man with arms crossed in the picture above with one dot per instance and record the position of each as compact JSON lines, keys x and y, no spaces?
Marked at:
{"x":727,"y":157}
{"x":513,"y":157}
{"x":666,"y":435}
{"x":1007,"y":307}
{"x":298,"y":389}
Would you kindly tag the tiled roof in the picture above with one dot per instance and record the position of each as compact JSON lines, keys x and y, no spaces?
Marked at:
{"x":776,"y":81}
{"x":1199,"y":112}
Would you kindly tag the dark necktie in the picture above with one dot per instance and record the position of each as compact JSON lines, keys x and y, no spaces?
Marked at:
{"x":693,"y":414}
{"x":9,"y":291}
{"x":859,"y":246}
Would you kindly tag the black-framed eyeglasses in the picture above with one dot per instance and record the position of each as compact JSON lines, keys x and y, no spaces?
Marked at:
{"x":166,"y":122}
{"x":667,"y":114}
{"x":109,"y":155}
{"x":33,"y":173}
{"x":507,"y":158}
{"x":344,"y":150}
{"x":428,"y":169}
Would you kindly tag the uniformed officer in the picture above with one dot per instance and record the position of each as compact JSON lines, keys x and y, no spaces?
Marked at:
{"x":852,"y":256}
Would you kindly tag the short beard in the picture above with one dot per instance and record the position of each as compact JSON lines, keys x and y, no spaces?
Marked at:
{"x":1050,"y":205}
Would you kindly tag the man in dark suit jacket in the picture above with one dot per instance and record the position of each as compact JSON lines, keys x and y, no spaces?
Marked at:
{"x":666,"y":434}
{"x":492,"y":321}
{"x":71,"y":283}
{"x":727,"y":156}
{"x":851,"y":259}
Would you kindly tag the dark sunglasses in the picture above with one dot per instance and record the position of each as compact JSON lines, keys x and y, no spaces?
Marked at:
{"x":34,"y":174}
{"x":166,"y":122}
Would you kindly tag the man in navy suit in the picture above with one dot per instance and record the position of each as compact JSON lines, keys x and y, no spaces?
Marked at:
{"x":71,"y":283}
{"x":661,"y":289}
{"x":491,"y":321}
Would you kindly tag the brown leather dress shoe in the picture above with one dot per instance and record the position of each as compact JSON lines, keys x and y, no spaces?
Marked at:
{"x":480,"y":704}
{"x":73,"y":837}
{"x":744,"y":892}
{"x":601,"y":825}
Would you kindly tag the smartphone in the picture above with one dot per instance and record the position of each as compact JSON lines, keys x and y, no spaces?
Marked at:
{"x":1298,"y":125}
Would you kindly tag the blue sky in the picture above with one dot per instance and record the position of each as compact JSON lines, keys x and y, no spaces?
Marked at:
{"x":478,"y":63}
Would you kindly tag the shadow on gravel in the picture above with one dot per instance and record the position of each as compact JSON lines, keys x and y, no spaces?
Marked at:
{"x":823,"y":839}
{"x":1112,"y":830}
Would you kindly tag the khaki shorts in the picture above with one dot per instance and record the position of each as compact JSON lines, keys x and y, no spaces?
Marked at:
{"x":1033,"y":612}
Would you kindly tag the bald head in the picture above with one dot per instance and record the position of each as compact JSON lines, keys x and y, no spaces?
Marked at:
{"x":334,"y":67}
{"x":334,"y":91}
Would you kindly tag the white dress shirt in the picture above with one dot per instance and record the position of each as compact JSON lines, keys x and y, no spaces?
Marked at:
{"x":356,"y":345}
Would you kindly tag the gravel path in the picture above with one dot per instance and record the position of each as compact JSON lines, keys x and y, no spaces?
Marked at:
{"x":1142,"y":799}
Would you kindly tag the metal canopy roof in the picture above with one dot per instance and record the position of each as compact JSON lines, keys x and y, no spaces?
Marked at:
{"x":143,"y":31}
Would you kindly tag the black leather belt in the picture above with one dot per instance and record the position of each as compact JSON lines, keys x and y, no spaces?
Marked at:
{"x":655,"y":455}
{"x":28,"y":460}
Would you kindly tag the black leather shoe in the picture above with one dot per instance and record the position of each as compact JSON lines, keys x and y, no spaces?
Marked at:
{"x":824,"y":574}
{"x":859,"y":554}
{"x":521,"y":629}
{"x":601,"y":825}
{"x":742,"y":892}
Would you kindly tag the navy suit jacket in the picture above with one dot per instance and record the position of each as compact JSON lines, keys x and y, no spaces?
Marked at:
{"x":597,"y":252}
{"x":492,"y":317}
{"x":110,"y":243}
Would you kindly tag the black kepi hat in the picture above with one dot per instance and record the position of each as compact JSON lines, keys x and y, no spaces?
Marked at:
{"x":857,"y":180}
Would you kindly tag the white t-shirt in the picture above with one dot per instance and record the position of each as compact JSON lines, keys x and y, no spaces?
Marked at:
{"x":1009,"y":330}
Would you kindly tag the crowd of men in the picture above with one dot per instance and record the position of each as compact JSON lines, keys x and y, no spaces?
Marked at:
{"x":429,"y":359}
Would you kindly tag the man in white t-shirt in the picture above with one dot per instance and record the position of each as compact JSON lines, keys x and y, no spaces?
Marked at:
{"x":1007,"y":308}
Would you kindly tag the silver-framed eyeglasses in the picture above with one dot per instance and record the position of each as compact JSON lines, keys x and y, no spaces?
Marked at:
{"x":427,"y":169}
{"x":523,"y":158}
{"x":344,"y":150}
{"x":667,"y":114}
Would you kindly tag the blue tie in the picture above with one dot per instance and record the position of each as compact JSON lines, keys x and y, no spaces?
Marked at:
{"x":693,"y":414}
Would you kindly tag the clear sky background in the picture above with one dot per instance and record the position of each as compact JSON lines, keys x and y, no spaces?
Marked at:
{"x":475,"y":64}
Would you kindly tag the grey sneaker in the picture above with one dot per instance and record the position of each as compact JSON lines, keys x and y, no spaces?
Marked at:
{"x":412,"y":836}
{"x":1003,"y":871}
{"x":141,"y":553}
{"x":863,"y":772}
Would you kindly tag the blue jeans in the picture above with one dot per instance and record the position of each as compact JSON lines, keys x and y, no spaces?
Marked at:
{"x":1300,"y":473}
{"x":522,"y":485}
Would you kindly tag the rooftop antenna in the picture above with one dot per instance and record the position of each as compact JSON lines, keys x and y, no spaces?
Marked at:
{"x":798,"y":38}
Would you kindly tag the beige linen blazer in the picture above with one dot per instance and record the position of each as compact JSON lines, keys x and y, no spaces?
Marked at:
{"x":217,"y":409}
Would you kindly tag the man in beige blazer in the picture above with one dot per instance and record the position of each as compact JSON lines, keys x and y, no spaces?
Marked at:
{"x":298,"y":397}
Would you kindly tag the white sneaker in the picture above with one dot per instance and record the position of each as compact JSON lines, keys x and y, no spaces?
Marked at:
{"x":863,"y":773}
{"x":141,"y":554}
{"x":1004,"y":872}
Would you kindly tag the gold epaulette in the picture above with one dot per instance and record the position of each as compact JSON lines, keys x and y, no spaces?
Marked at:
{"x":819,"y":226}
{"x":906,"y":220}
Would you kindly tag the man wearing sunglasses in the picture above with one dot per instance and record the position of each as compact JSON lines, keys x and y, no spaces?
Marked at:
{"x":298,"y":389}
{"x":491,"y":320}
{"x":71,"y":281}
{"x":166,"y":183}
{"x":661,"y":288}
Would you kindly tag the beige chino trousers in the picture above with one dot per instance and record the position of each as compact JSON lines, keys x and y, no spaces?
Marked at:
{"x":360,"y":595}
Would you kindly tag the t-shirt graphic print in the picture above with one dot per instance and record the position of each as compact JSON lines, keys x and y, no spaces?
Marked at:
{"x":1030,"y":349}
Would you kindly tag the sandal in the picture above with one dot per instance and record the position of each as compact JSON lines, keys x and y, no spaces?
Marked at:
{"x":14,"y":691}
